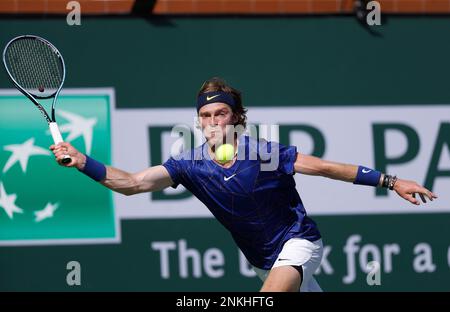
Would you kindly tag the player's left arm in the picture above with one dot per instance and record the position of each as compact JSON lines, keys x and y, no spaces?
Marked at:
{"x":311,"y":165}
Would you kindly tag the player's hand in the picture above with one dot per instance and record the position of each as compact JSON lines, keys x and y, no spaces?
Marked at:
{"x":410,"y":189}
{"x":60,"y":150}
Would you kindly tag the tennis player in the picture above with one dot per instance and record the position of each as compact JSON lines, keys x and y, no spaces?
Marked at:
{"x":253,"y":195}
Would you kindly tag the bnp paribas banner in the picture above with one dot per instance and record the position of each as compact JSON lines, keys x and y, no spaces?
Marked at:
{"x":168,"y":241}
{"x":39,"y":202}
{"x":366,"y":231}
{"x":411,"y":142}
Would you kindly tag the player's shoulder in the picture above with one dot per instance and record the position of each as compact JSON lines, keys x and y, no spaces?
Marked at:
{"x":192,"y":154}
{"x":260,"y":144}
{"x":254,"y":142}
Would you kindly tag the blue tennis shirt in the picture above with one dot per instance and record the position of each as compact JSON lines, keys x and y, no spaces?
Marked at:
{"x":261,"y":208}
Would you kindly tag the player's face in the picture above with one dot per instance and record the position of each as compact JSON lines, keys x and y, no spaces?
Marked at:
{"x":214,"y":119}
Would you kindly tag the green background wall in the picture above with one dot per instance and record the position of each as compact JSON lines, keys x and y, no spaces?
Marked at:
{"x":327,"y":60}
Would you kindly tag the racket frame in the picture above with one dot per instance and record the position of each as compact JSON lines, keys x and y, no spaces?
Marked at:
{"x":54,"y":130}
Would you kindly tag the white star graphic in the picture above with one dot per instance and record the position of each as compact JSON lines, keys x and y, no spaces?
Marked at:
{"x":78,"y":126}
{"x":46,"y":213}
{"x":21,"y":153}
{"x":7,"y":202}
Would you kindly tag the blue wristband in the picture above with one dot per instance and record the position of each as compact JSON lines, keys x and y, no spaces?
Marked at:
{"x":94,"y":169}
{"x":367,"y":176}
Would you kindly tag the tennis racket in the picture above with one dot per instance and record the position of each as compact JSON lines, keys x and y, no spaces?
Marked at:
{"x":37,"y":70}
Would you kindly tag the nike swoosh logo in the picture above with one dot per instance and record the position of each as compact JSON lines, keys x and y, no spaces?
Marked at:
{"x":366,"y":171}
{"x":228,"y":178}
{"x":209,"y":98}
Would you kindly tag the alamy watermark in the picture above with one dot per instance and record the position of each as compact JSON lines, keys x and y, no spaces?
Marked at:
{"x":260,"y":148}
{"x":368,"y":12}
{"x":74,"y":15}
{"x":373,"y":270}
{"x":73,"y":278}
{"x":374,"y":15}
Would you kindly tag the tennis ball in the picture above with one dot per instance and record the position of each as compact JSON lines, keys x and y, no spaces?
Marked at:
{"x":224,"y":153}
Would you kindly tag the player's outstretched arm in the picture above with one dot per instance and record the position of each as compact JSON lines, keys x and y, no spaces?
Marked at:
{"x":406,"y":189}
{"x":149,"y":180}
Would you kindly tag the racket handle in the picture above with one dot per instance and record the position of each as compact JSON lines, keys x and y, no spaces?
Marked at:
{"x":57,"y":138}
{"x":66,"y":159}
{"x":54,"y":130}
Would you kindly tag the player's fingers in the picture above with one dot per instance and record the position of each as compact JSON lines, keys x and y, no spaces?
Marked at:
{"x":65,"y":144}
{"x":56,"y":149}
{"x":414,"y":193}
{"x":411,"y":198}
{"x":422,"y":198}
{"x":431,"y":195}
{"x":60,"y":158}
{"x":427,"y":193}
{"x":52,"y":147}
{"x":61,"y":149}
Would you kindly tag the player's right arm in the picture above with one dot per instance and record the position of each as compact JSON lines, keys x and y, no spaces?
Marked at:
{"x":152,"y":179}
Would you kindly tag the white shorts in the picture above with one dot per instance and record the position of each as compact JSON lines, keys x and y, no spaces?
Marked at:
{"x":299,"y":252}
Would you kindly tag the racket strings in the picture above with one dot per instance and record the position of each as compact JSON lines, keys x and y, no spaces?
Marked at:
{"x":35,"y":66}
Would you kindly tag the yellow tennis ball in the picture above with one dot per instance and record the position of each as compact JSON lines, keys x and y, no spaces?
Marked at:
{"x":224,"y":153}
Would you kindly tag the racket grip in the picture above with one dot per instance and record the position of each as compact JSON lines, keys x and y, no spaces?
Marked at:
{"x":66,"y":159}
{"x":57,"y":138}
{"x":54,"y":130}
